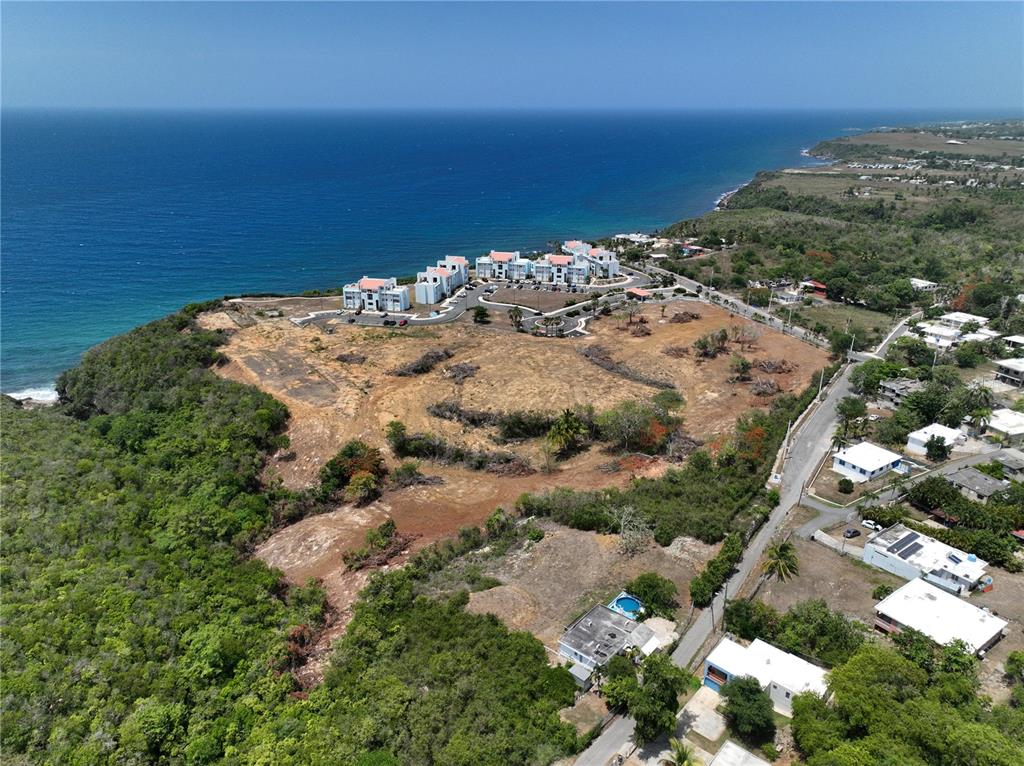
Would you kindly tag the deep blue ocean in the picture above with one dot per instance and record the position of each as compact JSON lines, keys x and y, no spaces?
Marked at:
{"x":110,"y":219}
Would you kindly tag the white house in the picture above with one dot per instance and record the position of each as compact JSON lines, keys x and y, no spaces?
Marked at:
{"x":942,"y":617}
{"x":780,"y":674}
{"x":866,"y":461}
{"x":376,"y":295}
{"x":603,"y":263}
{"x":938,"y":335}
{"x":1007,"y":425}
{"x":917,"y":440}
{"x":1010,"y":371}
{"x":562,"y":270}
{"x":913,"y":555}
{"x":923,"y":285}
{"x":500,"y":264}
{"x":458,"y":266}
{"x":982,"y":334}
{"x":433,"y":285}
{"x":1014,"y":341}
{"x":957,"y":319}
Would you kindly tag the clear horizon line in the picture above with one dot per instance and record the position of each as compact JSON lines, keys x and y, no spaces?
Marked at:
{"x":1009,"y":112}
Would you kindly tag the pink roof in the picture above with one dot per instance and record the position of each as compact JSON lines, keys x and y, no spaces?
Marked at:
{"x":366,"y":283}
{"x":573,"y":243}
{"x":560,"y":260}
{"x":439,"y":270}
{"x":501,"y":257}
{"x":639,"y":292}
{"x":456,"y":259}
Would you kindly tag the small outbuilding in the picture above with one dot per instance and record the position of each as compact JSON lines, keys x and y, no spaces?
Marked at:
{"x":1012,"y":461}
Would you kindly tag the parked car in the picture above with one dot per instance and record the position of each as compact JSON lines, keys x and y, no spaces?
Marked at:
{"x":390,"y":322}
{"x":850,"y":533}
{"x":384,"y":314}
{"x":869,"y":524}
{"x":351,"y":320}
{"x":403,"y":322}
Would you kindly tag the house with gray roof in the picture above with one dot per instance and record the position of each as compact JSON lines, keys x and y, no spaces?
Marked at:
{"x":975,"y":485}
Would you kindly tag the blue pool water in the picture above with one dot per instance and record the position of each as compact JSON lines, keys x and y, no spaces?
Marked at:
{"x":628,"y":605}
{"x":111,"y":219}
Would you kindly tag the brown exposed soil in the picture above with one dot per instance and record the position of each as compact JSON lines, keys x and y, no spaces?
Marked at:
{"x":548,"y":584}
{"x":332,"y":401}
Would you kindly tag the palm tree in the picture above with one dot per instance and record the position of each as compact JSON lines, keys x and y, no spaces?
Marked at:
{"x":980,"y":419}
{"x":839,"y":439}
{"x":680,"y":754}
{"x":780,"y":561}
{"x":515,"y":316}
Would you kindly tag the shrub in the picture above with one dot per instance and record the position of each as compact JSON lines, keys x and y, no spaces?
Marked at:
{"x":657,"y":593}
{"x":362,"y":488}
{"x":710,"y":580}
{"x":846,"y":486}
{"x":424,"y":364}
{"x":354,"y":458}
{"x":881,"y":591}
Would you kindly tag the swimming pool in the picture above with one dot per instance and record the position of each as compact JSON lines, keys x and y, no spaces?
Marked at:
{"x":628,"y":605}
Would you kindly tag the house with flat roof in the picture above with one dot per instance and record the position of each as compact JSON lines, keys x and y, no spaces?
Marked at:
{"x":894,"y":390}
{"x":982,"y":335}
{"x":942,"y":617}
{"x":1010,"y":371}
{"x":923,"y":285}
{"x":975,"y":485}
{"x":1014,"y":341}
{"x":500,"y":264}
{"x":937,"y":335}
{"x":917,"y":440}
{"x":596,"y":637}
{"x":913,"y":555}
{"x":1012,"y":461}
{"x":780,"y":674}
{"x":1006,"y":425}
{"x":957,"y":319}
{"x":372,"y":294}
{"x":866,"y":461}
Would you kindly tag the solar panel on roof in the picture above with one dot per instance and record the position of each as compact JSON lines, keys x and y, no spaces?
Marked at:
{"x":903,"y":542}
{"x":954,"y":558}
{"x":909,"y":551}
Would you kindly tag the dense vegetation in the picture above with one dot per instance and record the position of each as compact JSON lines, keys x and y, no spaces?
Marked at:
{"x":907,"y":707}
{"x":914,"y":704}
{"x":138,"y":630}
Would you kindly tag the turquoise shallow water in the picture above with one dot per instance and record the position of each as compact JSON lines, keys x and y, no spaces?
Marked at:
{"x":111,"y":219}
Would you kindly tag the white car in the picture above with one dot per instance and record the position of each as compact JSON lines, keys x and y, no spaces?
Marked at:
{"x":869,"y":524}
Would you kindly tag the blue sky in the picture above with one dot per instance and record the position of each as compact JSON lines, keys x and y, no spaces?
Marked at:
{"x":785,"y":55}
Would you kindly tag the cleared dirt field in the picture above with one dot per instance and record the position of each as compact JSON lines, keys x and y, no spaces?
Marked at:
{"x":547,"y":585}
{"x":844,"y":583}
{"x":332,"y":401}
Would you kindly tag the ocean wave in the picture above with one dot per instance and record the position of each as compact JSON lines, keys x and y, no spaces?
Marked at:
{"x":47,"y":394}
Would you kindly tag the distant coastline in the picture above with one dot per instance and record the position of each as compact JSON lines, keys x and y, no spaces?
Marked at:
{"x":118,"y":238}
